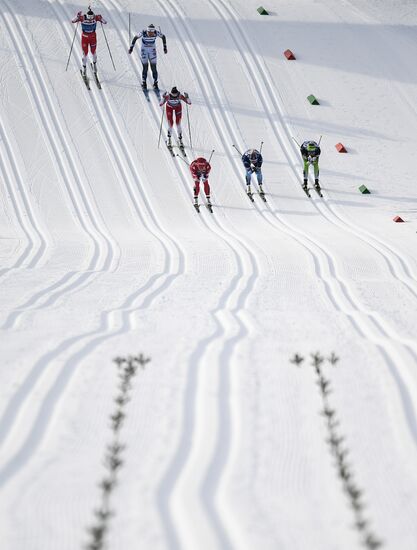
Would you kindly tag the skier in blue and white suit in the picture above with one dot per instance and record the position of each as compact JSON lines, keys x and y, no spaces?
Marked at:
{"x":252,"y":161}
{"x":148,"y":52}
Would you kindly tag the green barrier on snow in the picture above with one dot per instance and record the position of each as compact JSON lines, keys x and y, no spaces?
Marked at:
{"x":262,"y":11}
{"x":364,"y":190}
{"x":313,"y":100}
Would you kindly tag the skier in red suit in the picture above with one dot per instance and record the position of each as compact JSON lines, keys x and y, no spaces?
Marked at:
{"x":89,"y":22}
{"x":200,"y":169}
{"x":173,"y":100}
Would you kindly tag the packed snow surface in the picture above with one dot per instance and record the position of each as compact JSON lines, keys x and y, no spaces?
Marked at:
{"x":102,"y":255}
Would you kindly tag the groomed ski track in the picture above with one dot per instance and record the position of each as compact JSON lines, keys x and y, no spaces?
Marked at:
{"x":103,"y":254}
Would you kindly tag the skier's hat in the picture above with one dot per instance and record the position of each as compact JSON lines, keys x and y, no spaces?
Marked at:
{"x":151,"y":29}
{"x":201,"y":162}
{"x":175,"y":92}
{"x":90,"y":13}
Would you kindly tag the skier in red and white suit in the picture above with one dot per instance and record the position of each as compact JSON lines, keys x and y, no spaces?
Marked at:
{"x":88,"y":37}
{"x":174,"y":105}
{"x":200,"y":170}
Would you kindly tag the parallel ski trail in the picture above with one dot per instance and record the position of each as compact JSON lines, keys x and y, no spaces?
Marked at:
{"x":105,"y":253}
{"x":36,"y":238}
{"x":397,"y":264}
{"x":368,"y":324}
{"x":114,"y":322}
{"x":231,"y":330}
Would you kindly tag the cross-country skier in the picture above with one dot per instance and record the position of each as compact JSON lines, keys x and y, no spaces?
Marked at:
{"x":148,"y":52}
{"x":173,"y":101}
{"x":200,"y":170}
{"x":310,"y":151}
{"x":88,"y":36}
{"x":252,"y":161}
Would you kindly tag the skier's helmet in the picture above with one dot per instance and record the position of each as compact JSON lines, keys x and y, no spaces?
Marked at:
{"x":151,"y":31}
{"x":311,"y":146}
{"x":253,"y":155}
{"x":201,"y":163}
{"x":90,"y":14}
{"x":174,"y":92}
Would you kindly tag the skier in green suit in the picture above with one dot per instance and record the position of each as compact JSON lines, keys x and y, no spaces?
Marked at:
{"x":310,"y":151}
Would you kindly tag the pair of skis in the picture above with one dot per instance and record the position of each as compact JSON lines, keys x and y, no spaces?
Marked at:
{"x":208,"y":205}
{"x":316,"y":188}
{"x":87,"y":80}
{"x":179,"y":145}
{"x":145,"y":91}
{"x":261,"y":193}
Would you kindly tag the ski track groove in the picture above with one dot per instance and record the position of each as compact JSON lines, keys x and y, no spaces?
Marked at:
{"x":104,"y":247}
{"x":354,"y":317}
{"x":113,"y":323}
{"x":374,"y":320}
{"x":184,"y":459}
{"x":37,"y":240}
{"x":230,"y":303}
{"x":283,"y":135}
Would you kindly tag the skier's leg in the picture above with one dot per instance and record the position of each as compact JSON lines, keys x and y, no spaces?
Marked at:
{"x":170,"y":119}
{"x":152,"y":56}
{"x":144,"y":59}
{"x":93,"y":47}
{"x":248,"y":176}
{"x":316,"y":172}
{"x":178,"y":117}
{"x":259,"y":176}
{"x":154,"y":74}
{"x":84,"y":46}
{"x":305,"y":172}
{"x":207,"y":189}
{"x":196,"y":189}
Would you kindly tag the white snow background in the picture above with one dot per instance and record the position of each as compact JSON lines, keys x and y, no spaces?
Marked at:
{"x":103,"y":255}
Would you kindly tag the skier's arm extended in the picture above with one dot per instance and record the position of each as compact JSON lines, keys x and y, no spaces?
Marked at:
{"x":78,"y":17}
{"x":184,"y":97}
{"x":136,"y":37}
{"x":164,"y":41}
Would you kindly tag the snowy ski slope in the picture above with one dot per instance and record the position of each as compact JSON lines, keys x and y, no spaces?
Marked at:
{"x":102,"y":254}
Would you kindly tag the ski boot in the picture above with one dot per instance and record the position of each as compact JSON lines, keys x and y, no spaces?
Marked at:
{"x":305,"y":184}
{"x":95,"y":67}
{"x":84,"y":71}
{"x":181,"y":144}
{"x":316,"y":184}
{"x":144,"y":86}
{"x":208,"y":199}
{"x":155,"y":85}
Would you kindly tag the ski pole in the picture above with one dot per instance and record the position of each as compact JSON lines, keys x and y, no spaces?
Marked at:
{"x":296,"y":141}
{"x":160,"y":127}
{"x":319,"y":140}
{"x":69,"y":57}
{"x":210,"y":156}
{"x":260,"y":149}
{"x":108,"y":47}
{"x":189,"y":126}
{"x":129,"y":29}
{"x":233,"y":145}
{"x":180,"y":157}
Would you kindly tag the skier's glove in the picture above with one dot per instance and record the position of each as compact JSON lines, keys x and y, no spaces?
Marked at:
{"x":165,"y":49}
{"x":186,"y":95}
{"x":131,"y":49}
{"x":79,"y":13}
